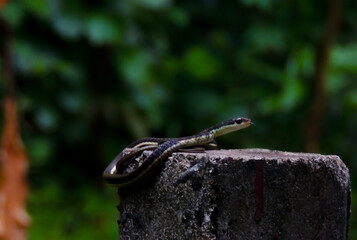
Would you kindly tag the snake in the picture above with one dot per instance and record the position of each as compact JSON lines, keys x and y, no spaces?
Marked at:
{"x":162,"y":148}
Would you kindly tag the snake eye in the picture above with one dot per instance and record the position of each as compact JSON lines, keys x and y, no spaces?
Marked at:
{"x":239,"y":121}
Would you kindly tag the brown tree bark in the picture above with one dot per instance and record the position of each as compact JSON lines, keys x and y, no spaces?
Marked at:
{"x":2,"y":3}
{"x":319,"y":102}
{"x":14,"y":219}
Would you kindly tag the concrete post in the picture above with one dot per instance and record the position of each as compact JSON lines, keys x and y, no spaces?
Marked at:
{"x":241,"y":194}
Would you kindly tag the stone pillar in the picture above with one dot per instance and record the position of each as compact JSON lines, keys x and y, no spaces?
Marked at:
{"x":241,"y":194}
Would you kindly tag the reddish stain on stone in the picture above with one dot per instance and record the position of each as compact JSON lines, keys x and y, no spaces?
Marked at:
{"x":259,"y":177}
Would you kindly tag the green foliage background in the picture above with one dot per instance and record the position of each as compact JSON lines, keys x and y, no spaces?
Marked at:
{"x":93,"y":76}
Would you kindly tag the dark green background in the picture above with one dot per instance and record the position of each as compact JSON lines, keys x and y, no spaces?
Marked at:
{"x":92,"y":76}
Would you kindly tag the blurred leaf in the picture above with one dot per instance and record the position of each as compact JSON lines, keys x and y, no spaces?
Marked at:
{"x":264,"y":38}
{"x":335,"y":83}
{"x":202,"y":102}
{"x":71,"y":102}
{"x":170,"y":66}
{"x":233,"y":109}
{"x":32,"y":60}
{"x":219,"y":39}
{"x":149,"y":99}
{"x":25,"y":57}
{"x":45,"y":204}
{"x":40,"y":150}
{"x":39,"y":7}
{"x":71,"y":74}
{"x":258,"y":68}
{"x":343,"y":58}
{"x":342,"y":64}
{"x":13,"y":12}
{"x":179,"y":17}
{"x":154,"y":4}
{"x":101,"y":29}
{"x":132,"y":35}
{"x":305,"y":58}
{"x":269,"y":105}
{"x":292,"y":87}
{"x":201,"y":64}
{"x":137,"y":126}
{"x":75,"y":131}
{"x":46,"y":119}
{"x":291,"y":93}
{"x":136,"y":67}
{"x":351,"y":98}
{"x":70,"y":27}
{"x":261,"y":4}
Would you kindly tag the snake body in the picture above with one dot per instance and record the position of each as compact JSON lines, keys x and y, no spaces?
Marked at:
{"x":162,"y":149}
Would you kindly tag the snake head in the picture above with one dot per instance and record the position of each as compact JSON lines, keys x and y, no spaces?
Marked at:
{"x":231,"y":125}
{"x":242,"y":121}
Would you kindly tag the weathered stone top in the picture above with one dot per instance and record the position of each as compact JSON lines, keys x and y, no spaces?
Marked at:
{"x":265,"y":154}
{"x":259,"y":153}
{"x":241,"y":194}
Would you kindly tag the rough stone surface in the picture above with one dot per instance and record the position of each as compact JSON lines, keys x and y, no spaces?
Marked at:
{"x":241,"y":194}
